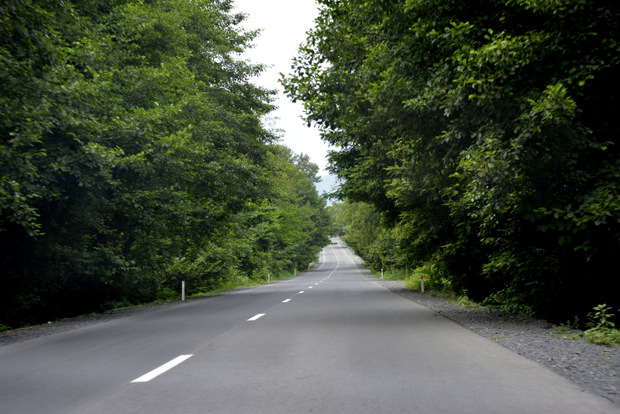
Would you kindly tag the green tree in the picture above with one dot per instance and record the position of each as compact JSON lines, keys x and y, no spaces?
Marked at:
{"x":132,"y":156}
{"x":483,"y":131}
{"x":301,"y":222}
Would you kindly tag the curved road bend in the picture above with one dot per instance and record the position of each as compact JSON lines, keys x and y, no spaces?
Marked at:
{"x":328,"y":341}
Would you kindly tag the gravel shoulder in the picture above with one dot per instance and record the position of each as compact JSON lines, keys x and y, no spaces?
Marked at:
{"x":593,"y":367}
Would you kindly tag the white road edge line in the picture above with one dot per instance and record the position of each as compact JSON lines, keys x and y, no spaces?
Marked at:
{"x":255,"y":317}
{"x":158,"y":371}
{"x":286,"y":300}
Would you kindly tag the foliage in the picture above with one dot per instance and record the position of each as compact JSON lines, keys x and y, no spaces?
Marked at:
{"x":132,"y":156}
{"x":434,"y":281}
{"x":602,"y":330}
{"x":360,"y":224}
{"x":484,"y":135}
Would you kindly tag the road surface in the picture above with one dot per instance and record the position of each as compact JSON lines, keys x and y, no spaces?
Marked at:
{"x":328,"y":341}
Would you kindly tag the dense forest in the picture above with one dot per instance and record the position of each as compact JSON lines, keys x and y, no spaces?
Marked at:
{"x":132,"y":157}
{"x":478,"y":140}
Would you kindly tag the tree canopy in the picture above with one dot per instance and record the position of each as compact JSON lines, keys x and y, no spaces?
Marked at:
{"x":132,"y":156}
{"x":483,"y":133}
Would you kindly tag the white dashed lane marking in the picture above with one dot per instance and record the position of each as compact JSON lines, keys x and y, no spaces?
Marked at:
{"x":178,"y":360}
{"x":166,"y":367}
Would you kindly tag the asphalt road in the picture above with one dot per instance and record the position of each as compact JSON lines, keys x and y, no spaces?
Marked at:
{"x":328,"y":341}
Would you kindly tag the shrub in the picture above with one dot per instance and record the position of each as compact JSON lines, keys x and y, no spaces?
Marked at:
{"x":602,"y":331}
{"x":433,"y":279}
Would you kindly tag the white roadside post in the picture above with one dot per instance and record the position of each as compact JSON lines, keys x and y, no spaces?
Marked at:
{"x":381,"y":273}
{"x":422,"y":283}
{"x":183,"y":291}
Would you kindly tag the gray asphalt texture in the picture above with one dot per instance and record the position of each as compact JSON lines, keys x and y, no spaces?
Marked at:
{"x":345,"y":345}
{"x":594,"y":367}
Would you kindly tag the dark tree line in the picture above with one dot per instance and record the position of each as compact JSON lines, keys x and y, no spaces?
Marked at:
{"x":132,"y":156}
{"x":482,"y":136}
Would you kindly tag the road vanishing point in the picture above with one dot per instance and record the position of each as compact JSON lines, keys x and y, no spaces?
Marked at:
{"x":330,"y":340}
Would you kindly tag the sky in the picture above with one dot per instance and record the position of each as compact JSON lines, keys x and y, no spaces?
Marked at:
{"x":284,"y":24}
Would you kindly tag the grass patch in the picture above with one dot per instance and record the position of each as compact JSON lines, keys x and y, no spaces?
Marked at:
{"x":601,"y":330}
{"x":433,"y":279}
{"x":607,"y":337}
{"x":394,"y":274}
{"x":434,"y":284}
{"x":567,"y":328}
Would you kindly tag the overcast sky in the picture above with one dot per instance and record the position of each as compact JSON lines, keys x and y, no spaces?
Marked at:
{"x":284,"y":24}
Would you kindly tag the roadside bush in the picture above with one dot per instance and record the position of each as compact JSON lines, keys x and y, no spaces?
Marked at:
{"x":602,"y":331}
{"x":433,"y":279}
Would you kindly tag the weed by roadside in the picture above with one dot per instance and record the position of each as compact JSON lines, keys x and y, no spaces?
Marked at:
{"x":434,"y":284}
{"x":601,"y":330}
